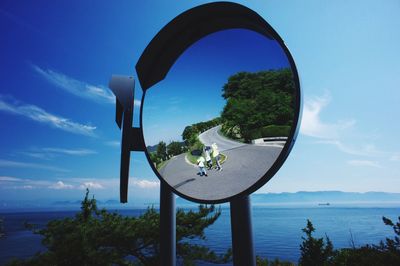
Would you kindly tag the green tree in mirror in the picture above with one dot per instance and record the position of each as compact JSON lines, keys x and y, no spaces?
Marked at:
{"x":175,"y":148}
{"x":98,"y":237}
{"x":162,"y":150}
{"x":190,"y":133}
{"x":258,"y":105}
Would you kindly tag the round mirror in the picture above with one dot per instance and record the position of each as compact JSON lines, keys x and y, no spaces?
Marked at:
{"x":224,"y":119}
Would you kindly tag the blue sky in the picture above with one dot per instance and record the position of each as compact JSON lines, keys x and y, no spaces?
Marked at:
{"x":58,"y":133}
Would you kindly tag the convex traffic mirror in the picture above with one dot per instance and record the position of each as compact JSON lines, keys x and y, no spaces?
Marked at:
{"x":221,"y":122}
{"x":220,"y":107}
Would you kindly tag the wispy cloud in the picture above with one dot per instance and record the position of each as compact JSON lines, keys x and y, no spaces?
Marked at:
{"x":37,"y":114}
{"x":175,"y":100}
{"x":15,"y":164}
{"x":17,"y":20}
{"x":332,"y":133}
{"x":74,"y":86}
{"x":364,"y":163}
{"x":9,"y":179}
{"x":77,"y":152}
{"x":50,"y":153}
{"x":395,"y":157}
{"x":82,"y":89}
{"x":311,"y":124}
{"x":366,"y":150}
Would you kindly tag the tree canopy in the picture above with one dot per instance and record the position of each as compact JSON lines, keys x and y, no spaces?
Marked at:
{"x":257,"y":100}
{"x":162,"y":151}
{"x":99,"y":237}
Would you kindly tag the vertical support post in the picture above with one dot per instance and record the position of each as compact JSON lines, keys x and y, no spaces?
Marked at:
{"x":167,"y":226}
{"x":242,"y":233}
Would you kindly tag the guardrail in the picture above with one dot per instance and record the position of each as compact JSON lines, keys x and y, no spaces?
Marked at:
{"x":269,"y":139}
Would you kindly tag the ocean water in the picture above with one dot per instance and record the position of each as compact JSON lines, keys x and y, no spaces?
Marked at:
{"x":277,"y":230}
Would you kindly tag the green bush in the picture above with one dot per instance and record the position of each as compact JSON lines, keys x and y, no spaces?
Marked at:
{"x":317,"y":252}
{"x":232,"y":132}
{"x":275,"y":131}
{"x":269,"y":131}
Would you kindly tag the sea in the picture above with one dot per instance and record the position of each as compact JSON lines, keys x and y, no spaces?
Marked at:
{"x":276,"y":229}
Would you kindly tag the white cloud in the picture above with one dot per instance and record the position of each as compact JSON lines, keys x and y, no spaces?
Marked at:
{"x":91,"y":185}
{"x":76,"y":87}
{"x":334,"y":133}
{"x":61,"y":185}
{"x":364,"y":163}
{"x":311,"y":124}
{"x":15,"y":164}
{"x":143,"y":183}
{"x":39,"y":115}
{"x":8,"y":182}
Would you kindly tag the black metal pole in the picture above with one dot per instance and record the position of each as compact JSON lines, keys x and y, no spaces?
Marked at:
{"x":167,"y":227}
{"x":242,"y":233}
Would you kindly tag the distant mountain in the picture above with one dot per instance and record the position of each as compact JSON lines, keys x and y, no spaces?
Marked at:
{"x":316,"y":197}
{"x":335,"y":198}
{"x":325,"y":196}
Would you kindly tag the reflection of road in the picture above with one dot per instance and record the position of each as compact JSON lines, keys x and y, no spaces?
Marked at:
{"x":245,"y":164}
{"x":210,"y":136}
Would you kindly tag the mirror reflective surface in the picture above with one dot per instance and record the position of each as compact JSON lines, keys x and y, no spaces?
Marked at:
{"x":222,"y":116}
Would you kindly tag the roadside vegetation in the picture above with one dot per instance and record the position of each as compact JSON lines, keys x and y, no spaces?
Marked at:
{"x":164,"y":152}
{"x":258,"y":105}
{"x":191,"y":145}
{"x":190,"y":134}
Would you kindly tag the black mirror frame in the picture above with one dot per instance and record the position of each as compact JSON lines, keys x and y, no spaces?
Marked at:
{"x":186,"y":29}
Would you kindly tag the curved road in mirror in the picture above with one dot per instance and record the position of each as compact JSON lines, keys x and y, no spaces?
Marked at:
{"x":245,"y":164}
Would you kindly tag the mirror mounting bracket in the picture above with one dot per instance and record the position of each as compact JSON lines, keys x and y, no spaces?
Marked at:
{"x":123,"y":88}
